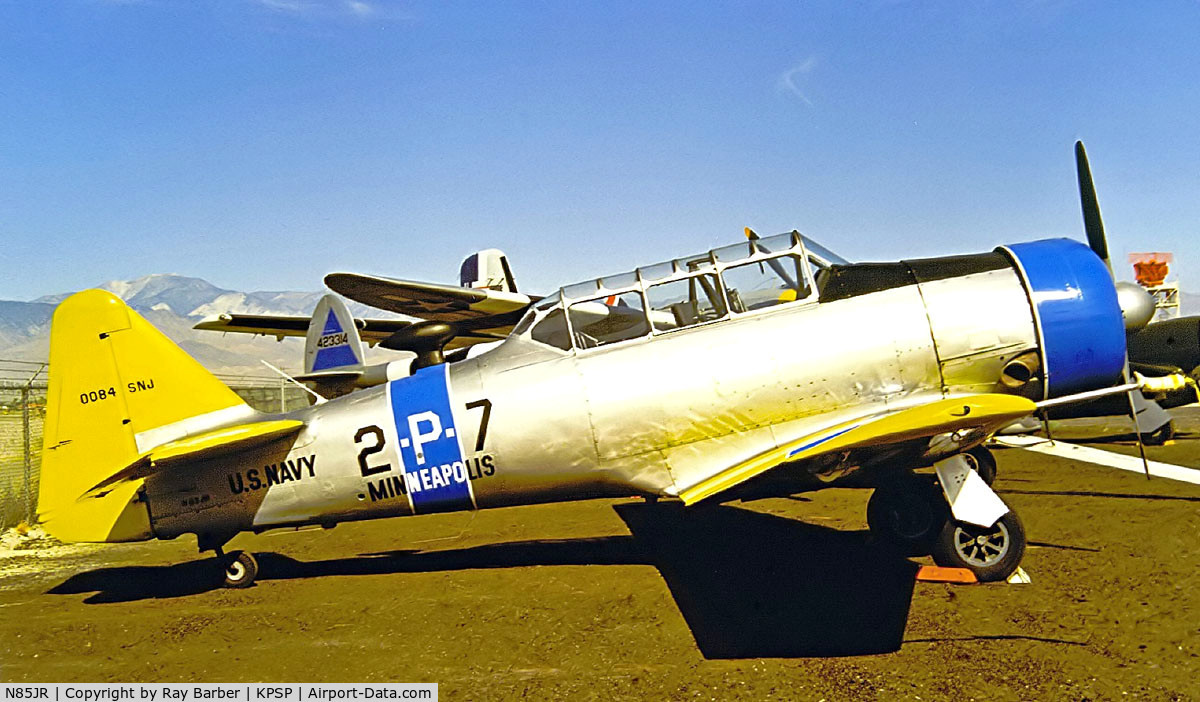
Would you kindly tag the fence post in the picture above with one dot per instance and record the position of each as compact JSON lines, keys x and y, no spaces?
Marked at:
{"x":28,"y":455}
{"x":282,"y":396}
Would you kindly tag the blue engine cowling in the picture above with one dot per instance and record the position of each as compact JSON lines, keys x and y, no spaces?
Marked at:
{"x":1080,"y":331}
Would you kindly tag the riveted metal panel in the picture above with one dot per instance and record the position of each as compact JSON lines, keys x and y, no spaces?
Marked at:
{"x":979,"y":322}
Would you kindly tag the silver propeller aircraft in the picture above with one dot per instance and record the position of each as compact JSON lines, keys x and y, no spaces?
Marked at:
{"x":747,"y":370}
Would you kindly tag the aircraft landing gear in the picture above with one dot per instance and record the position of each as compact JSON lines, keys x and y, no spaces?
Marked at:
{"x":911,"y":516}
{"x":983,"y":462}
{"x":907,"y":514}
{"x":991,"y":553}
{"x":240,"y":568}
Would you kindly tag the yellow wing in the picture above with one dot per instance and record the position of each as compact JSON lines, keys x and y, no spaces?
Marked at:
{"x":988,"y":412}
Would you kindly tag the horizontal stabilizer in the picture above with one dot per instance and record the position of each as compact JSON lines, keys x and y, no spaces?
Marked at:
{"x":201,"y":446}
{"x":336,"y":375}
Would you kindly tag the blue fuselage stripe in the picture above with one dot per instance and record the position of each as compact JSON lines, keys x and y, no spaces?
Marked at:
{"x":434,"y":472}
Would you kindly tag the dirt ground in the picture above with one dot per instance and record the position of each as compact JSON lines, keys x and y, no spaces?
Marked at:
{"x":773,"y":599}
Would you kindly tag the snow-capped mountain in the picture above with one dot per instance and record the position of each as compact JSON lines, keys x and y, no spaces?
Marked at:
{"x":174,"y":303}
{"x":195,"y":297}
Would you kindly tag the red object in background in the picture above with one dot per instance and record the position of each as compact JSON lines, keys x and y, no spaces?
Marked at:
{"x":1151,"y":268}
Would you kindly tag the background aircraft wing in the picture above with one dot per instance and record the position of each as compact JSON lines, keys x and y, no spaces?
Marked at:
{"x":983,"y":413}
{"x":372,"y":331}
{"x":479,"y":308}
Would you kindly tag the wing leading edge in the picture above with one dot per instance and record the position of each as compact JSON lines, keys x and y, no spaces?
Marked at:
{"x":986,"y":412}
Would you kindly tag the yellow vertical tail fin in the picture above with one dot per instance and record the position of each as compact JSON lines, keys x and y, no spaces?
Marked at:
{"x":118,"y":387}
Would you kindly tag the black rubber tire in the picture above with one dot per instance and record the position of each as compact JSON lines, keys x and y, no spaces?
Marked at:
{"x":240,"y":569}
{"x":983,"y":462}
{"x":907,"y":515}
{"x":958,"y":546}
{"x":1159,"y":436}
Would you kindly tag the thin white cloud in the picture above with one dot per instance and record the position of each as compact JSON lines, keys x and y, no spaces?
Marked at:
{"x":788,"y":81}
{"x":293,"y":6}
{"x":333,"y":9}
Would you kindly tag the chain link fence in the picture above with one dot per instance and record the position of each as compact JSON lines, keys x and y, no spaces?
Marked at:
{"x":23,"y":411}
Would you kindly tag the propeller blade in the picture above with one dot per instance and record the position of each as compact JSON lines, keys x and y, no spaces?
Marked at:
{"x":1092,"y":223}
{"x":773,"y":262}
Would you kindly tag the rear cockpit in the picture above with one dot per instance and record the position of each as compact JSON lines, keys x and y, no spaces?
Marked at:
{"x":730,"y":282}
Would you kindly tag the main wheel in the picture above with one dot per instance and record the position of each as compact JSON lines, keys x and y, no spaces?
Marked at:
{"x":983,"y":462}
{"x":240,"y":569}
{"x":907,"y":515}
{"x":991,"y":553}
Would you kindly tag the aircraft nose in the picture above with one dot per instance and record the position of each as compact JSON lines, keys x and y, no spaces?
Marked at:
{"x":1075,"y":308}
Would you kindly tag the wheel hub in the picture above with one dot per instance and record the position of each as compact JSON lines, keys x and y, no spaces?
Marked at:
{"x":982,"y":549}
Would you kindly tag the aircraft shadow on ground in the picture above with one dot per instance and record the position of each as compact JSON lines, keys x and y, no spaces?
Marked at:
{"x":748,"y":584}
{"x":753,"y":585}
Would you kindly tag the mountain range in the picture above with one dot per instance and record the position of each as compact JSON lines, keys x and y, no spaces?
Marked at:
{"x":174,"y":303}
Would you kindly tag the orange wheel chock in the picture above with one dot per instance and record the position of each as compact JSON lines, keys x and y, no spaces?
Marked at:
{"x":938,"y":574}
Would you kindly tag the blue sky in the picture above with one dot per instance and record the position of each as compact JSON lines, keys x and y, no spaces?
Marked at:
{"x":263,"y":143}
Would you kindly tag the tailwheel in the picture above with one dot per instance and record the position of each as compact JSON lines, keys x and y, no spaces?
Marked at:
{"x":240,"y":569}
{"x":907,"y":515}
{"x":982,"y":462}
{"x":991,"y":553}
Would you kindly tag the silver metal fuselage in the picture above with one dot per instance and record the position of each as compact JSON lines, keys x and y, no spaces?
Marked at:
{"x":652,"y":415}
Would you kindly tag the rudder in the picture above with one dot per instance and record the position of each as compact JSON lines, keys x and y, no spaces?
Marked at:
{"x":118,"y":387}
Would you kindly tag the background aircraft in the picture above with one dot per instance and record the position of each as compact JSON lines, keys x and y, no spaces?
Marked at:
{"x":482,"y":309}
{"x":462,"y":320}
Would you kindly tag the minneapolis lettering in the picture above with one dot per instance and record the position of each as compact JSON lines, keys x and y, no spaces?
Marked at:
{"x":431,"y":478}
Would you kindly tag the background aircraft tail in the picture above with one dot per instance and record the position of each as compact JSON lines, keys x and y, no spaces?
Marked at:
{"x":118,"y":388}
{"x":334,"y":358}
{"x":487,"y":269}
{"x":333,"y":341}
